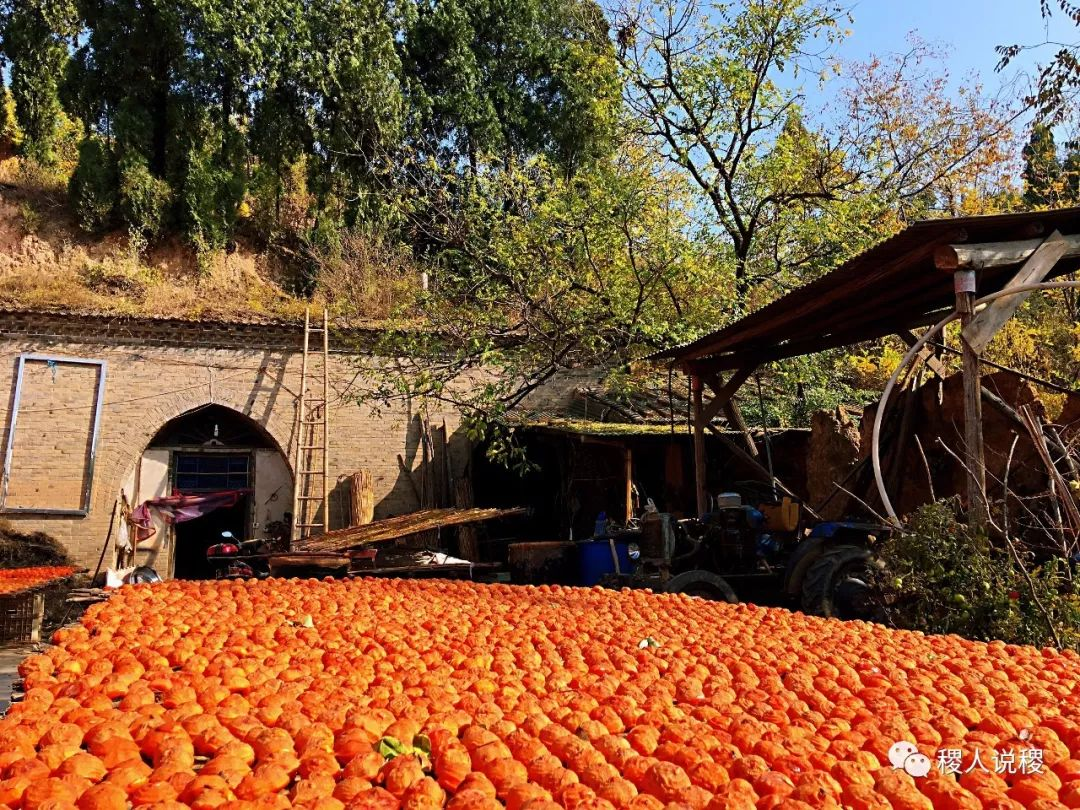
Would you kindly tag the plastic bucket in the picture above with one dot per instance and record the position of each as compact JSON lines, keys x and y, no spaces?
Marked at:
{"x":597,"y":560}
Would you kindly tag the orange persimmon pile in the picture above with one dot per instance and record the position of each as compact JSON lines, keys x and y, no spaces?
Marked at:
{"x":14,"y":580}
{"x":388,"y":694}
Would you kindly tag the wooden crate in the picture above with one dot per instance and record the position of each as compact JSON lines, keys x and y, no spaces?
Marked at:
{"x":21,"y":616}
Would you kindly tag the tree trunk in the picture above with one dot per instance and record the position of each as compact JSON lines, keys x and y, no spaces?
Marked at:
{"x":226,"y":104}
{"x":742,"y":281}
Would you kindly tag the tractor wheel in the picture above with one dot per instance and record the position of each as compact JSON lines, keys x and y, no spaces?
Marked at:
{"x":838,"y":585}
{"x":806,"y":553}
{"x":705,"y":584}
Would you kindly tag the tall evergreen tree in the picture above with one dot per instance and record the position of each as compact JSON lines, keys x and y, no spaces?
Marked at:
{"x":33,"y":42}
{"x":508,"y":77}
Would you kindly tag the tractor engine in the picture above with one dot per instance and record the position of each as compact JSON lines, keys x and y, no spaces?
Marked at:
{"x":734,"y":535}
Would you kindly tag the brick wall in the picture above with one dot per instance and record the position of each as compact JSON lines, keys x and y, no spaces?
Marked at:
{"x":150,"y":382}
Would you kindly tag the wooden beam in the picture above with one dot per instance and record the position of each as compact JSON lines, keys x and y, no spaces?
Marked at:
{"x":986,"y":324}
{"x":735,"y":418}
{"x":38,"y":620}
{"x":628,"y":467}
{"x":699,"y":446}
{"x":996,"y":254}
{"x":760,"y":468}
{"x":925,"y":354}
{"x":1023,"y":375}
{"x":722,"y":394}
{"x":735,"y":360}
{"x":974,"y":458}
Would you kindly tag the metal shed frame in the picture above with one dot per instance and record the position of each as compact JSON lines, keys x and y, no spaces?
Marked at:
{"x":930,"y":269}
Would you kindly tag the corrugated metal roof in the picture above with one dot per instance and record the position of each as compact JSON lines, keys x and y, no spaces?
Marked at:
{"x":892,"y":286}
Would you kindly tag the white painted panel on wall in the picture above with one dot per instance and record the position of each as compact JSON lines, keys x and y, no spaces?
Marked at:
{"x":273,"y":489}
{"x":154,"y":483}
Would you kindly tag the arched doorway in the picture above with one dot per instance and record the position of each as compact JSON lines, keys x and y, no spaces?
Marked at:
{"x":214,"y":449}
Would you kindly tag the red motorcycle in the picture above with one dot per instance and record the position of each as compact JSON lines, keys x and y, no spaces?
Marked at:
{"x":239,"y":559}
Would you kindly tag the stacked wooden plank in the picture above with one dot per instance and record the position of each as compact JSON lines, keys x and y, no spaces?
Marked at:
{"x":88,"y":595}
{"x":397,"y":527}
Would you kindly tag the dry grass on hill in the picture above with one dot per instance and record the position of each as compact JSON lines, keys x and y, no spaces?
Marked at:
{"x":48,"y":262}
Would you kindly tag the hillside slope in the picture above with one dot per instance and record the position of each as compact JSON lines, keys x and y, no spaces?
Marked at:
{"x":47,"y":262}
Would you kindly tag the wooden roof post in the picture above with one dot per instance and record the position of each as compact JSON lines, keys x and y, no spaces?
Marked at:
{"x":699,"y":445}
{"x":964,"y":286}
{"x":978,"y":330}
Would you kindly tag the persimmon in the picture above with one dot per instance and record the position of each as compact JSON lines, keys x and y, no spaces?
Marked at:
{"x":425,"y":793}
{"x":506,"y":773}
{"x":365,"y":765}
{"x":528,"y":699}
{"x":38,"y":793}
{"x":311,"y":789}
{"x":84,"y":765}
{"x":473,"y":800}
{"x":452,"y":765}
{"x":105,"y":796}
{"x":153,"y":793}
{"x":1029,"y":791}
{"x":400,"y":773}
{"x":14,"y":580}
{"x":664,"y":780}
{"x":129,"y":775}
{"x":350,"y":787}
{"x":1069,"y":795}
{"x":12,"y":790}
{"x":859,"y":796}
{"x":540,"y":804}
{"x":230,"y":768}
{"x":375,"y":798}
{"x":520,"y":795}
{"x":349,"y":743}
{"x":266,"y":779}
{"x":646,"y":801}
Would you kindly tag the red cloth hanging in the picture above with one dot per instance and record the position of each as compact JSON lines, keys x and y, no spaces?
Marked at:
{"x":178,"y":508}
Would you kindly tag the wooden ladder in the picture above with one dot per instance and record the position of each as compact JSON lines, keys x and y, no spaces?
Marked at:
{"x":312,"y":437}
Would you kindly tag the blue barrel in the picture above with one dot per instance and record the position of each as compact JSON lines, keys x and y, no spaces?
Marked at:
{"x":596,"y":560}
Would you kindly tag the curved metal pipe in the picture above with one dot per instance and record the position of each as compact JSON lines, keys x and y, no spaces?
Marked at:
{"x":875,"y":437}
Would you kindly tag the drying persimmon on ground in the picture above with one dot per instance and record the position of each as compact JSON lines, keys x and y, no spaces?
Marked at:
{"x":385,"y":693}
{"x":13,"y":580}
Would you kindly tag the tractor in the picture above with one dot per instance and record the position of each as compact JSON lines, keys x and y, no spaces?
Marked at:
{"x":762,"y":553}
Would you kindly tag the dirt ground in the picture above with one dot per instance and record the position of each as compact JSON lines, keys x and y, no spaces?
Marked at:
{"x":10,"y":656}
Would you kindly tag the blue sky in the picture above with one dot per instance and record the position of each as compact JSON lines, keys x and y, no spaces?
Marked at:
{"x":969,"y":28}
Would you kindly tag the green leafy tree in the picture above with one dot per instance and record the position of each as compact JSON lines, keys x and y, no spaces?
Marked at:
{"x":94,"y":185}
{"x":1070,"y":173}
{"x":1042,"y":168}
{"x":539,"y":273}
{"x":702,"y":79}
{"x":11,"y":136}
{"x":143,"y":198}
{"x":355,"y":103}
{"x":129,"y":63}
{"x":715,"y":85}
{"x":33,"y":42}
{"x":524,"y":77}
{"x":337,"y":86}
